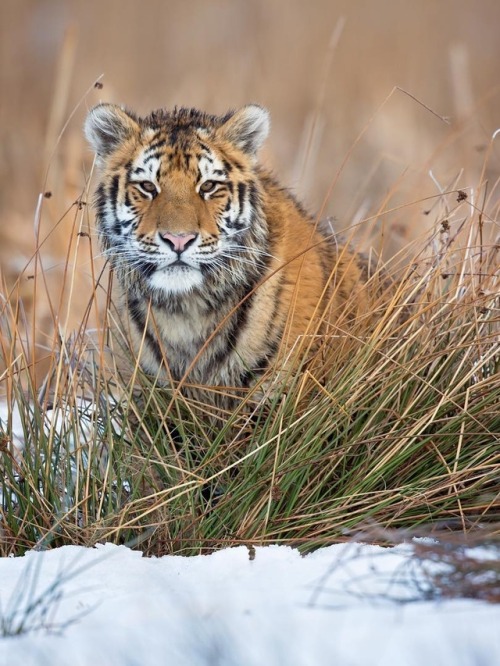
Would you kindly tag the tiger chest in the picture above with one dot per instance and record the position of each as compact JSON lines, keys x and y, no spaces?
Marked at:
{"x":194,"y":345}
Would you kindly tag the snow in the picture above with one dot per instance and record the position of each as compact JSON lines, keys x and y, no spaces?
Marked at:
{"x":344,"y":605}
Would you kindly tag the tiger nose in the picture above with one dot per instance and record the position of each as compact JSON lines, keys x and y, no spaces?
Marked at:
{"x":178,"y":242}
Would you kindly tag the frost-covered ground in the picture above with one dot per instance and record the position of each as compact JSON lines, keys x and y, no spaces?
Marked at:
{"x":340,"y":606}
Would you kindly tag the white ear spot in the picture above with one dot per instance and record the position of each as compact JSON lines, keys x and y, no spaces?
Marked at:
{"x":248,"y":128}
{"x":203,"y":132}
{"x":107,"y":126}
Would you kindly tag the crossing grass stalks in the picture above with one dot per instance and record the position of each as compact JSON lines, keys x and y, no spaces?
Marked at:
{"x":398,"y":424}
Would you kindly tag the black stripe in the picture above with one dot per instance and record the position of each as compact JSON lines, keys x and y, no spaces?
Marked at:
{"x":113,"y":189}
{"x":100,"y":199}
{"x":239,"y":320}
{"x":146,"y":268}
{"x":172,"y":137}
{"x":277,"y":303}
{"x":113,"y":192}
{"x":246,"y":378}
{"x":244,"y":308}
{"x":263,"y":363}
{"x":137,"y":317}
{"x":242,"y":190}
{"x":260,"y":366}
{"x":154,"y":156}
{"x":232,"y":331}
{"x":253,"y":196}
{"x":154,"y":146}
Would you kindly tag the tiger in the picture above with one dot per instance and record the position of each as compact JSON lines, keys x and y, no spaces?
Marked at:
{"x":219,"y":269}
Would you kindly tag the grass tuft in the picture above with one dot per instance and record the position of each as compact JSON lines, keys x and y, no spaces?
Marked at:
{"x":396,"y":423}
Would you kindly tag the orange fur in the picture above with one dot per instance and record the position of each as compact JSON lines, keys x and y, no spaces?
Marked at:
{"x":219,"y":269}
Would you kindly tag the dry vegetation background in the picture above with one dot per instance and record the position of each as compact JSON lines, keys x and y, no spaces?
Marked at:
{"x":325,"y":69}
{"x":379,"y":108}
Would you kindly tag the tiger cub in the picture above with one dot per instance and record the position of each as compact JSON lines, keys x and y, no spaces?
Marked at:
{"x":219,"y":269}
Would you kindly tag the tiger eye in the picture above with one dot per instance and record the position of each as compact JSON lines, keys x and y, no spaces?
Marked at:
{"x":208,"y":186}
{"x":148,"y":186}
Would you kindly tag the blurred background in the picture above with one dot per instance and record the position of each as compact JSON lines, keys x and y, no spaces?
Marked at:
{"x":344,"y":137}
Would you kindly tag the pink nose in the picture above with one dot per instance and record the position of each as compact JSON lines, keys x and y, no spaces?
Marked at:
{"x":178,"y":242}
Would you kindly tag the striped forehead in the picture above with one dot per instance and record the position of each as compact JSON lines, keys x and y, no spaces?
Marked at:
{"x":211,"y":166}
{"x":147,"y":164}
{"x":150,"y":162}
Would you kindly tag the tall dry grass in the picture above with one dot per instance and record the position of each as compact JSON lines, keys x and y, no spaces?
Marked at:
{"x":398,"y":425}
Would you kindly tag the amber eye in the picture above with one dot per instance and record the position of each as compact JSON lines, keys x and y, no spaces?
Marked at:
{"x":148,"y":186}
{"x":208,"y":186}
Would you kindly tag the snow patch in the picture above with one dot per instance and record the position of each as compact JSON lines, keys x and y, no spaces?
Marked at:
{"x":330,"y":607}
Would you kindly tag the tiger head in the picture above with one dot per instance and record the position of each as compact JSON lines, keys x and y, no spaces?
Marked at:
{"x":179,"y":204}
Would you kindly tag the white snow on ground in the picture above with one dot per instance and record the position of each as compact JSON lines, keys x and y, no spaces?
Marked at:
{"x":335,"y":607}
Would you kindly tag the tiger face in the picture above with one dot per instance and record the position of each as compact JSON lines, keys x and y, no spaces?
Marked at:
{"x":179,"y":203}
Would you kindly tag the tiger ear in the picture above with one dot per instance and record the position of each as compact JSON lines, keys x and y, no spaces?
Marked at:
{"x":107,"y":126}
{"x":247,"y":128}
